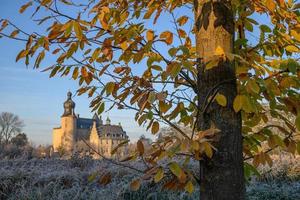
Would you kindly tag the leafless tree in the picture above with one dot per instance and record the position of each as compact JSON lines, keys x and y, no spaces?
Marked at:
{"x":10,"y":124}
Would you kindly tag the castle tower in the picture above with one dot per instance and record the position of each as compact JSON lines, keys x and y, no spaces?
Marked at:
{"x":68,"y":124}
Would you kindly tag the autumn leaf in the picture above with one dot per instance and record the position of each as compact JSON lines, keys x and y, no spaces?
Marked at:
{"x":221,"y":99}
{"x":292,"y":48}
{"x":140,"y":147}
{"x":78,"y":30}
{"x":25,"y":6}
{"x":168,"y":36}
{"x":219,"y":51}
{"x":238,"y":103}
{"x":105,"y":179}
{"x":150,"y":35}
{"x":189,"y":187}
{"x":207,"y":149}
{"x":155,"y":127}
{"x":109,"y":87}
{"x":159,"y":175}
{"x":14,"y":33}
{"x":135,"y":185}
{"x":182,"y":20}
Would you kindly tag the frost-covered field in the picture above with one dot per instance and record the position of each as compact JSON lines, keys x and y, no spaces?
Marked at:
{"x":65,"y":179}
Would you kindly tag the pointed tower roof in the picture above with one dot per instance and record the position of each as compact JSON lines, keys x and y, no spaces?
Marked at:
{"x":95,"y":117}
{"x":69,"y":105}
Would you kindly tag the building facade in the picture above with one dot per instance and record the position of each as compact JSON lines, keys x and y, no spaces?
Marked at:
{"x":101,"y":137}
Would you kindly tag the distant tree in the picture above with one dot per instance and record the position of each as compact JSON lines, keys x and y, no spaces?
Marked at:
{"x":20,"y":140}
{"x":10,"y":124}
{"x":61,"y":151}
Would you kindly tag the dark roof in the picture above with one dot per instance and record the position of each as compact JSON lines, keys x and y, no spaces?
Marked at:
{"x":110,"y":129}
{"x":102,"y":129}
{"x":84,"y":123}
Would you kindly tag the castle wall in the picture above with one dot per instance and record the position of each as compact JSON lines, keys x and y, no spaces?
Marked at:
{"x":56,"y":138}
{"x":68,"y":127}
{"x":82,"y":134}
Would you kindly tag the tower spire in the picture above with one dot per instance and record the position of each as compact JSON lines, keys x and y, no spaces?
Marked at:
{"x":69,"y":105}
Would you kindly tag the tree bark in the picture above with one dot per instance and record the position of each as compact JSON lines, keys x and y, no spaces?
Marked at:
{"x":222,"y":176}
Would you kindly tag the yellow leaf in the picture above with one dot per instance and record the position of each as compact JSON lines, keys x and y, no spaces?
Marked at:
{"x":292,"y":48}
{"x":189,"y":187}
{"x":135,"y":185}
{"x":123,"y":45}
{"x":155,"y":127}
{"x":150,"y":35}
{"x":168,"y":36}
{"x":221,"y":99}
{"x":296,"y":35}
{"x":238,"y":103}
{"x":159,"y":175}
{"x":219,"y":51}
{"x":140,"y":147}
{"x":208,"y":150}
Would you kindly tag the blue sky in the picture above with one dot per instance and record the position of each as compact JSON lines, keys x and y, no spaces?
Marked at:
{"x":37,"y":99}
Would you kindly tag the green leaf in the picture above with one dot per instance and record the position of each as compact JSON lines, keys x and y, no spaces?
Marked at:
{"x":172,"y":52}
{"x":151,"y":97}
{"x":92,"y":177}
{"x":265,"y":28}
{"x":159,"y":175}
{"x":175,"y":169}
{"x":101,"y":108}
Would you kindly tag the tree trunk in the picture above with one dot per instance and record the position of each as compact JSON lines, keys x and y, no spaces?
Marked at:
{"x":222,"y":177}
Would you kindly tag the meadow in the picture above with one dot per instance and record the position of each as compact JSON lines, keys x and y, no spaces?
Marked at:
{"x":78,"y":178}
